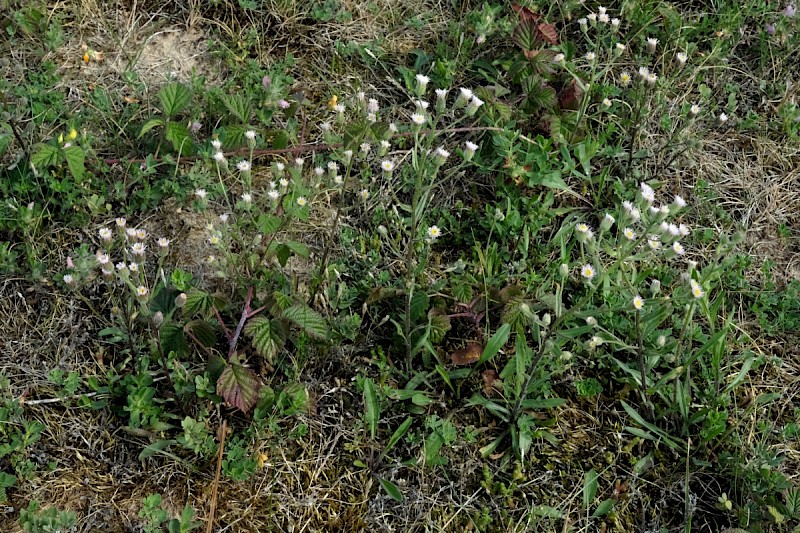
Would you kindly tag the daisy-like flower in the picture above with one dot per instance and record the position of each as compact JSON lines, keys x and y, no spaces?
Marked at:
{"x":372,"y":106}
{"x":104,"y":259}
{"x":216,"y":144}
{"x":364,"y":194}
{"x":590,"y":56}
{"x":224,"y":217}
{"x":213,"y":240}
{"x":418,"y":119}
{"x":141,"y":234}
{"x":120,"y":222}
{"x":697,"y":290}
{"x":201,"y":193}
{"x":301,"y":201}
{"x":679,"y":202}
{"x":606,"y":103}
{"x":591,"y":321}
{"x":678,"y":248}
{"x":582,"y":23}
{"x":422,"y":83}
{"x":694,"y":110}
{"x":250,"y":135}
{"x":141,"y":291}
{"x":68,"y":279}
{"x":243,"y":166}
{"x":601,"y":10}
{"x":619,"y":48}
{"x":138,"y":248}
{"x":273,"y":194}
{"x":588,"y":272}
{"x":441,"y":155}
{"x":673,"y":230}
{"x":163,"y":242}
{"x":105,"y":234}
{"x":723,"y":118}
{"x":338,"y":179}
{"x":284,"y":182}
{"x":469,"y":152}
{"x":247,"y":197}
{"x":209,"y":227}
{"x":615,"y":24}
{"x":592,"y":18}
{"x":603,"y":17}
{"x":319,"y":171}
{"x":464,"y":96}
{"x":653,"y":243}
{"x":219,"y":157}
{"x":393,"y":127}
{"x":387,"y":165}
{"x":629,"y":234}
{"x":652,"y":42}
{"x":133,"y":267}
{"x":121,"y":266}
{"x":683,"y":229}
{"x":559,"y":59}
{"x":299,"y":162}
{"x":365,"y":148}
{"x":625,"y":78}
{"x":582,"y":228}
{"x":434,"y":232}
{"x":638,"y":302}
{"x":647,"y":192}
{"x":681,"y":57}
{"x":280,"y":167}
{"x":654,"y":210}
{"x":339,"y":108}
{"x":652,"y":78}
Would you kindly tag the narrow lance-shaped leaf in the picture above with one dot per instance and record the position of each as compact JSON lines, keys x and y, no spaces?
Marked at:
{"x":372,"y":409}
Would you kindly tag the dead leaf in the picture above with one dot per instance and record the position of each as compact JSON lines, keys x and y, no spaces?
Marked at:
{"x":467,"y":355}
{"x":570,"y":97}
{"x":491,"y":382}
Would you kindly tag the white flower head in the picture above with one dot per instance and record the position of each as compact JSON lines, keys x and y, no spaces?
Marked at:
{"x":301,"y":201}
{"x":387,"y":165}
{"x":587,"y":271}
{"x":364,"y":194}
{"x":418,"y":119}
{"x":138,"y":248}
{"x":319,"y":171}
{"x":273,"y":194}
{"x":105,"y":234}
{"x":120,"y":222}
{"x":250,"y":135}
{"x":216,"y":144}
{"x":678,"y":248}
{"x":629,"y":234}
{"x":247,"y":197}
{"x":243,"y":166}
{"x":163,"y":242}
{"x":638,"y":302}
{"x":434,"y":232}
{"x":201,"y":193}
{"x":652,"y":42}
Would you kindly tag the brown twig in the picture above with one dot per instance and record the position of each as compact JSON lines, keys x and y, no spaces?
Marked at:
{"x":223,"y":430}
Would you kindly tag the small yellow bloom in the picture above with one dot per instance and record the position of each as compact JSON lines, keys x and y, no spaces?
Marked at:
{"x":61,"y":138}
{"x":72,"y":134}
{"x":332,"y":102}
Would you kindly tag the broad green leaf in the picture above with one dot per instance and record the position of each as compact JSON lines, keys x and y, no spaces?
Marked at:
{"x":238,"y":105}
{"x":312,"y":322}
{"x":43,"y":156}
{"x":172,"y":338}
{"x":268,"y":336}
{"x":202,"y":331}
{"x":372,"y":408}
{"x":589,"y":488}
{"x":239,"y":386}
{"x":197,"y":303}
{"x":419,"y":305}
{"x":299,"y":249}
{"x":391,"y":489}
{"x":398,"y":434}
{"x":178,"y":134}
{"x":268,"y":224}
{"x":174,"y":98}
{"x":150,"y":124}
{"x":496,"y":343}
{"x":604,"y":508}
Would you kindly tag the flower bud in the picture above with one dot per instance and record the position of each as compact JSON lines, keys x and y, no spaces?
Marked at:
{"x":158,"y":319}
{"x":563,"y":270}
{"x":180,"y":300}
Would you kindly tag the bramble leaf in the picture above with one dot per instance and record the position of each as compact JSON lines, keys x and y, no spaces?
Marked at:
{"x":239,"y":386}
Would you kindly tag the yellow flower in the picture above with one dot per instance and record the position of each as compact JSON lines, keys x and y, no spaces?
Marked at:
{"x":332,"y":102}
{"x":72,"y":134}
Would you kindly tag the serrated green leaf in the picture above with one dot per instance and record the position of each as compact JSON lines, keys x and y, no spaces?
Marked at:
{"x":174,"y":98}
{"x":172,"y":339}
{"x":299,"y":248}
{"x":391,"y":489}
{"x":372,"y":408}
{"x":178,"y":134}
{"x":238,"y":105}
{"x":589,"y":488}
{"x":239,"y":386}
{"x":268,"y":224}
{"x":75,"y":157}
{"x":150,"y":124}
{"x":44,"y":155}
{"x":312,"y":322}
{"x":202,"y":331}
{"x":268,"y":336}
{"x":197,"y":303}
{"x":419,"y":305}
